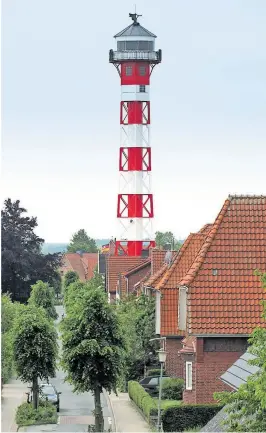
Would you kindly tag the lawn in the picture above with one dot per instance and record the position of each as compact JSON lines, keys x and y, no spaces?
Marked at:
{"x":168,"y":403}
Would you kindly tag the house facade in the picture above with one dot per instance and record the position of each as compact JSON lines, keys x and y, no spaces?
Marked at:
{"x":209,"y":297}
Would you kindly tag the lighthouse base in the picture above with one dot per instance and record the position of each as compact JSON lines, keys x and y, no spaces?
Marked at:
{"x":133,"y":248}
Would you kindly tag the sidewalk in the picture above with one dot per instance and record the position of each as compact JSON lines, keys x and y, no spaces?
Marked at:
{"x":126,"y":417}
{"x":12,"y":395}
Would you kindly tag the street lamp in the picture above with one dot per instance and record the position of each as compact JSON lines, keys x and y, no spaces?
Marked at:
{"x":162,"y":359}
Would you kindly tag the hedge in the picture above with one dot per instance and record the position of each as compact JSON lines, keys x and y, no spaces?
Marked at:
{"x":155,"y":372}
{"x":172,"y":389}
{"x":145,"y":402}
{"x":141,"y":398}
{"x":45,"y":414}
{"x":185,"y":417}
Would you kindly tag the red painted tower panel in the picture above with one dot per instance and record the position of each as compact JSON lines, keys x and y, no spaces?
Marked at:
{"x":134,"y":60}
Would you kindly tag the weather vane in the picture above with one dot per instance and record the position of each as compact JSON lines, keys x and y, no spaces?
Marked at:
{"x":135,"y":16}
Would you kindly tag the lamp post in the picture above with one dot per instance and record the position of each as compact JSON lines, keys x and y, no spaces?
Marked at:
{"x":162,"y":359}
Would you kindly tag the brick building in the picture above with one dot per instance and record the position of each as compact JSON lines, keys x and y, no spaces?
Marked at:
{"x":125,"y":274}
{"x":82,"y":263}
{"x":209,"y":297}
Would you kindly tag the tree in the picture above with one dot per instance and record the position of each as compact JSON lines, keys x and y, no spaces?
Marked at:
{"x":247,"y":406}
{"x":80,"y":241}
{"x":56,"y":284}
{"x":9,"y":311}
{"x":167,"y":238}
{"x":92,"y":343}
{"x":35,"y":348}
{"x":137,"y":319}
{"x":22,"y":261}
{"x":42,"y":295}
{"x":70,"y":277}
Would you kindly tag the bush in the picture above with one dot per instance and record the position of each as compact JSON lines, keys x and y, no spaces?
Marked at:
{"x":185,"y":417}
{"x":172,"y":389}
{"x":155,"y":372}
{"x":141,"y":398}
{"x":45,"y":414}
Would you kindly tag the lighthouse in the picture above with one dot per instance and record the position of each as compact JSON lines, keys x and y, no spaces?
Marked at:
{"x":135,"y":58}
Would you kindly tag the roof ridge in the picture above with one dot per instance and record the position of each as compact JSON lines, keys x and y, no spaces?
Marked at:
{"x":176,"y":260}
{"x":152,"y":279}
{"x":240,"y":196}
{"x":199,"y":259}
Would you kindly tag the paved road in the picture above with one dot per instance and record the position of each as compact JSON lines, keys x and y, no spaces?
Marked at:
{"x":75,"y":409}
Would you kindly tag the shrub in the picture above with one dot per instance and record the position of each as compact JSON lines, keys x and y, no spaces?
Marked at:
{"x":141,"y":398}
{"x":155,"y":372}
{"x":172,"y":389}
{"x":185,"y":417}
{"x":45,"y":414}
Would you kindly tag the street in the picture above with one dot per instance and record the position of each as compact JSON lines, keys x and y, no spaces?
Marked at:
{"x":76,"y":410}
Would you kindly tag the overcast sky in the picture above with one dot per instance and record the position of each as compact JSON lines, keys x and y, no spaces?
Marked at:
{"x":60,"y":110}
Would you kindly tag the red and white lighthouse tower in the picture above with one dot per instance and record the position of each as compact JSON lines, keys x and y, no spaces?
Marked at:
{"x":134,"y":60}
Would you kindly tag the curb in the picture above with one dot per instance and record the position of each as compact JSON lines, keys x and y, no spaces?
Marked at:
{"x":111,"y":409}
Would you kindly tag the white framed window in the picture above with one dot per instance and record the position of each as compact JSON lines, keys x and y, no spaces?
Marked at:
{"x":188,"y":375}
{"x":142,"y":88}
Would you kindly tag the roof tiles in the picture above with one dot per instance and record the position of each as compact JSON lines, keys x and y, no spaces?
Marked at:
{"x":224,"y":294}
{"x":116,"y":265}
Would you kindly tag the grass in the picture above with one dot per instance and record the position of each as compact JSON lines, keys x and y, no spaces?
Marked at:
{"x":168,"y":403}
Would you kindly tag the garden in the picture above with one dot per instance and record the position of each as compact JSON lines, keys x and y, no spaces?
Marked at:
{"x":176,"y":416}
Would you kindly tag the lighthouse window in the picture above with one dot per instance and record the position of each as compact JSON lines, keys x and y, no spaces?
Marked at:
{"x":128,"y":70}
{"x":142,"y":88}
{"x":142,"y":70}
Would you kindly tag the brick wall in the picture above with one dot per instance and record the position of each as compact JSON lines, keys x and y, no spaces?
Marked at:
{"x":208,"y":366}
{"x":174,"y":362}
{"x":136,"y":277}
{"x":189,"y":396}
{"x":208,"y":374}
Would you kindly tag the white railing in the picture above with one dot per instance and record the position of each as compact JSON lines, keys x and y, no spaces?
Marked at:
{"x":135,"y":55}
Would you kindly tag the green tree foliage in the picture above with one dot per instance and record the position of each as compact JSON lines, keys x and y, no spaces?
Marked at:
{"x":56,"y":284}
{"x":165,"y":238}
{"x":70,"y":277}
{"x":80,"y":241}
{"x":35,"y":347}
{"x":42,"y":295}
{"x":9,"y":311}
{"x":92,"y":342}
{"x":22,"y":261}
{"x":137,"y":319}
{"x":247,"y":406}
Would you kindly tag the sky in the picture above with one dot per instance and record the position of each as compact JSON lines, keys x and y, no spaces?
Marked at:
{"x":60,"y":110}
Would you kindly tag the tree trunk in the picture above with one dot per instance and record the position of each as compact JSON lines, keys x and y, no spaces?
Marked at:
{"x":35,"y":394}
{"x":99,"y":423}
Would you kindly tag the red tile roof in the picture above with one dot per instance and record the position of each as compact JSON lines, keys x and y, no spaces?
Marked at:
{"x":84,"y":265}
{"x":169,"y":279}
{"x":157,"y":259}
{"x":224,"y":295}
{"x":138,"y":267}
{"x":115,"y":265}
